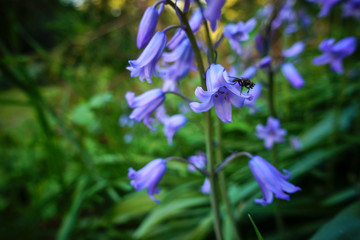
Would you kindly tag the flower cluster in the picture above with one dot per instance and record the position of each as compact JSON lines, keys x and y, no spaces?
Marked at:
{"x":171,"y":58}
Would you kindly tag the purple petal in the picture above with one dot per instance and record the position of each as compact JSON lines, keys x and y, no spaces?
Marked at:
{"x":336,"y":65}
{"x":213,"y":12}
{"x":249,"y":25}
{"x":326,"y":44}
{"x":322,"y":59}
{"x":344,"y":47}
{"x":292,"y":75}
{"x":249,"y":72}
{"x":236,"y":100}
{"x":294,"y":50}
{"x":202,"y":95}
{"x":201,"y":107}
{"x":223,"y":109}
{"x":147,"y":27}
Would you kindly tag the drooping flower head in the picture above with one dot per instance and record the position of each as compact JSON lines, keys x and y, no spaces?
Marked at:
{"x":206,"y":188}
{"x":180,"y":35}
{"x":213,"y":11}
{"x":237,"y":33}
{"x":264,"y":62}
{"x":144,"y":66}
{"x":334,"y":53}
{"x":176,"y":65}
{"x":221,"y":93}
{"x":294,"y":50}
{"x":288,"y":69}
{"x":199,"y":160}
{"x":171,"y":124}
{"x":145,"y":104}
{"x":352,"y":8}
{"x":326,"y":6}
{"x":147,"y":26}
{"x":271,"y":181}
{"x":271,"y":133}
{"x":286,"y":16}
{"x":292,"y":75}
{"x":148,"y":177}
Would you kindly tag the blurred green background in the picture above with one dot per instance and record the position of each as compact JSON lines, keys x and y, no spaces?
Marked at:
{"x":66,"y":145}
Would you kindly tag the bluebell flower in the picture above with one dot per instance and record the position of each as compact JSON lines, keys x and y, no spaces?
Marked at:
{"x":294,"y":50}
{"x":288,"y":69}
{"x":125,"y":121}
{"x":261,"y":45}
{"x":286,"y":15}
{"x":128,"y":138}
{"x":249,"y":72}
{"x":264,"y":62}
{"x":171,"y":124}
{"x":250,"y":103}
{"x":296,"y":143}
{"x":186,"y":5}
{"x":221,"y":93}
{"x":176,"y":65}
{"x":206,"y":187}
{"x":271,"y":181}
{"x":148,"y":177}
{"x":213,"y":11}
{"x":237,"y":33}
{"x":144,"y":66}
{"x":180,"y":35}
{"x":334,"y":53}
{"x":352,"y":8}
{"x":147,"y":26}
{"x":145,"y":104}
{"x":292,"y":75}
{"x":326,"y":6}
{"x":199,"y":160}
{"x":271,"y":133}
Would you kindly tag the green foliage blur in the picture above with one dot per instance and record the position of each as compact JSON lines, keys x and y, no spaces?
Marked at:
{"x":64,"y":154}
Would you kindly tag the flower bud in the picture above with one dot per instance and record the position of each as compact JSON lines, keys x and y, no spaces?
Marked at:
{"x":147,"y":26}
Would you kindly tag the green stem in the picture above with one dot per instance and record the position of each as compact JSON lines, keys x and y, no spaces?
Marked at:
{"x":277,"y":213}
{"x":208,"y":38}
{"x":208,"y":124}
{"x":271,"y":92}
{"x":222,"y":181}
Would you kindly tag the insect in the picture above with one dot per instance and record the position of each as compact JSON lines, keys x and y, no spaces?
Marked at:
{"x":243,"y":82}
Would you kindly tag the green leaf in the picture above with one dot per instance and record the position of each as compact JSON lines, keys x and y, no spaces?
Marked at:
{"x":100,"y":100}
{"x":258,"y":234}
{"x":343,"y":226}
{"x":163,"y":212}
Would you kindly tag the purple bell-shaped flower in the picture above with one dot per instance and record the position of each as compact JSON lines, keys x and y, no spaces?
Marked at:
{"x":144,"y":66}
{"x":145,"y":104}
{"x":221,"y":93}
{"x":148,"y":177}
{"x":271,"y":181}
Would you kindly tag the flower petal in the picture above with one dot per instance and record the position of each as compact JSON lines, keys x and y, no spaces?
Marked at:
{"x":292,"y":75}
{"x":223,"y":109}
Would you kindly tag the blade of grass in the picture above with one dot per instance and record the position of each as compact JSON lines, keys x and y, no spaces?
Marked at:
{"x":258,"y":234}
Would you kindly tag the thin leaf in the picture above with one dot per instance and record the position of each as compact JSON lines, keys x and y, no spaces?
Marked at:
{"x":258,"y":234}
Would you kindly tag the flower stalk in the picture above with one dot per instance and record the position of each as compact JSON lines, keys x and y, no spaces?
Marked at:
{"x":207,"y":124}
